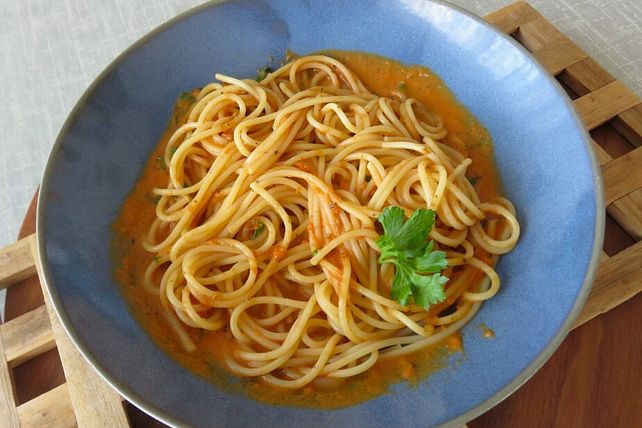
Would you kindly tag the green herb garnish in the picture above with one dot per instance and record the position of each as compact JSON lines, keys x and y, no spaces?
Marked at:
{"x":256,"y":232}
{"x":262,"y":73}
{"x":315,"y":252}
{"x":161,"y":162}
{"x":405,"y":245}
{"x":187,"y":97}
{"x":473,"y":180}
{"x":402,"y":86}
{"x":172,"y":151}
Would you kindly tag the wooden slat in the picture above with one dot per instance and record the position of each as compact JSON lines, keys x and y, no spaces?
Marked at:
{"x":509,"y":18}
{"x":627,"y":211}
{"x":16,"y":262}
{"x":551,"y":48}
{"x":603,"y":257}
{"x":27,"y":336}
{"x":95,"y":403}
{"x":586,"y":76}
{"x":556,"y":57}
{"x":50,"y":410}
{"x":617,"y":280}
{"x":600,"y":154}
{"x":629,"y":124}
{"x":8,"y":414}
{"x":622,"y":176}
{"x":604,"y":104}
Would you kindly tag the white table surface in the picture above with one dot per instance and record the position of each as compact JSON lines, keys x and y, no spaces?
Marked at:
{"x":52,"y":50}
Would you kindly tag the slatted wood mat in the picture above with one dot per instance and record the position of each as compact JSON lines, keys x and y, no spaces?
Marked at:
{"x":86,"y":400}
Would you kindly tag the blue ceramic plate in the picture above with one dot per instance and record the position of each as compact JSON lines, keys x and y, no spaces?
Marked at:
{"x":542,"y":153}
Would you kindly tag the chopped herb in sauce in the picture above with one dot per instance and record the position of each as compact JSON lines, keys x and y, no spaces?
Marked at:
{"x":256,"y":232}
{"x":161,"y":162}
{"x":187,"y":97}
{"x":262,"y":73}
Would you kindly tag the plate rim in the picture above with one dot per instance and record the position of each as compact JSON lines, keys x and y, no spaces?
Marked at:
{"x":158,"y":413}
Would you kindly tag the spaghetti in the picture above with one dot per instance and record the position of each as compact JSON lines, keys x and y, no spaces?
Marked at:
{"x":267,"y":225}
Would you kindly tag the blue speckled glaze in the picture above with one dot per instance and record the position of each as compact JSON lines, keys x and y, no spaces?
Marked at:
{"x":541,"y":151}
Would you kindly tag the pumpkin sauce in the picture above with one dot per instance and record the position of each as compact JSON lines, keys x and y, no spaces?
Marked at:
{"x":384,"y":77}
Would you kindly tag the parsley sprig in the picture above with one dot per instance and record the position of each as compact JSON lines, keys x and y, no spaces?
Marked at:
{"x":405,"y":245}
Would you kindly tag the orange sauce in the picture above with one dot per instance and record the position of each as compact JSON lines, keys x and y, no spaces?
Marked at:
{"x":487,"y":333}
{"x":384,"y":77}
